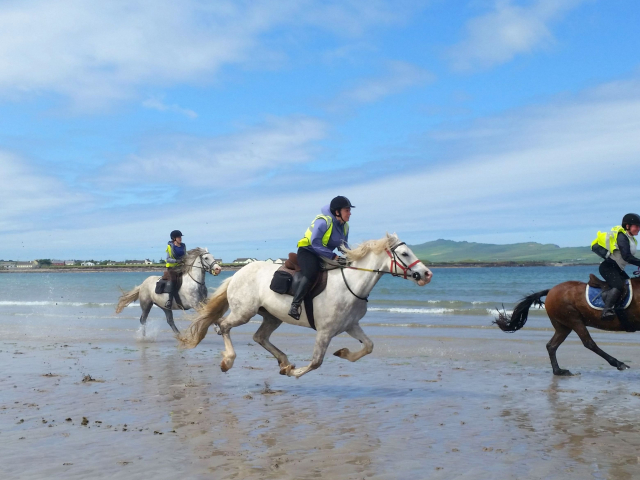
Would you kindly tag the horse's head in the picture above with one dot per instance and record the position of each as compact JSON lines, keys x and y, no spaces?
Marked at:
{"x":405,"y":263}
{"x":209,"y":263}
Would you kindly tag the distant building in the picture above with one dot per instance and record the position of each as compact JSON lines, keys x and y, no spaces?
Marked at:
{"x":244,"y":260}
{"x":57,"y":262}
{"x":23,"y":265}
{"x":268,"y":260}
{"x":134,"y":262}
{"x":69,"y":262}
{"x":7,"y":265}
{"x":88,"y":264}
{"x":217,"y":260}
{"x":148,"y":262}
{"x":279,"y":261}
{"x":111,"y":263}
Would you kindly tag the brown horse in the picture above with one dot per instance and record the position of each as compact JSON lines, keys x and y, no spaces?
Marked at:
{"x":568,"y":310}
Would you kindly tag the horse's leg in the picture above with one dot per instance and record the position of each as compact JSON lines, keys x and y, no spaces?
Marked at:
{"x":322,"y":343}
{"x":588,"y":342}
{"x":169,"y":314}
{"x":367,"y":345}
{"x":269,"y":325}
{"x":227,"y":323}
{"x":562,"y":331}
{"x":146,"y":308}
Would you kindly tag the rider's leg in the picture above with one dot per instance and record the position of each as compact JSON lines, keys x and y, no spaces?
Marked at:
{"x":309,"y":267}
{"x":614,"y":277}
{"x":169,"y":303}
{"x":367,"y":345}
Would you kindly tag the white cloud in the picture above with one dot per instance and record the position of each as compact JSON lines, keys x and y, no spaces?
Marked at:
{"x":553,"y":173}
{"x":239,"y":158}
{"x":497,"y":37}
{"x":157,"y":104}
{"x":98,"y":52}
{"x":28,"y":194}
{"x":400,"y":76}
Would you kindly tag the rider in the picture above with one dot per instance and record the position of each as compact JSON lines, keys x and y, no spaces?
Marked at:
{"x":328,"y":231}
{"x":176,"y":250}
{"x":618,"y":251}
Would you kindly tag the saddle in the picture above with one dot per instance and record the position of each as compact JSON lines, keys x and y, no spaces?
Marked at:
{"x":164,"y":285}
{"x":598,"y":290}
{"x":286,"y":278}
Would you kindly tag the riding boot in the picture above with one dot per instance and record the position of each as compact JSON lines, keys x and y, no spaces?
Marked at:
{"x":612,"y":297}
{"x":169,"y":288}
{"x":296,"y":304}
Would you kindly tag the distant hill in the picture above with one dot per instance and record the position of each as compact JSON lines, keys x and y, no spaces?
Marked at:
{"x":445,"y":251}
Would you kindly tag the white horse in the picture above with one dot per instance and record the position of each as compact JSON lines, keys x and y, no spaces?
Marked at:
{"x":192,"y":293}
{"x":337,"y":309}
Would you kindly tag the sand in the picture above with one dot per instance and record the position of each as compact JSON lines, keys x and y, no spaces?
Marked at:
{"x":433,"y":403}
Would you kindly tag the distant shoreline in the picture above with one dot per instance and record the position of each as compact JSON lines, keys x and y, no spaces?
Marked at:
{"x":156,"y":269}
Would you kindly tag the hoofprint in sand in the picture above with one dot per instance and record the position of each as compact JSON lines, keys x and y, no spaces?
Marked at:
{"x":435,"y":403}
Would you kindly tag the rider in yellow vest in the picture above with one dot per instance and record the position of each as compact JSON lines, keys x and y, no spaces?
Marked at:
{"x":176,"y":250}
{"x":618,"y":248}
{"x":328,"y":231}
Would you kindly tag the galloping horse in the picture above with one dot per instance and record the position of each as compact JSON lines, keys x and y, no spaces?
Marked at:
{"x":192,"y":293}
{"x":338,"y":308}
{"x":568,"y":310}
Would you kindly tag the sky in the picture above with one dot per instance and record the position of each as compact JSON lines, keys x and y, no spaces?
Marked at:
{"x":235,"y":121}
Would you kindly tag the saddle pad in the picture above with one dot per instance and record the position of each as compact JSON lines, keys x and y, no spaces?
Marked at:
{"x":594,"y":297}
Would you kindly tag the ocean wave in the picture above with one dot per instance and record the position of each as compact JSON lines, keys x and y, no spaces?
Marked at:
{"x":50,"y":303}
{"x":447,"y":311}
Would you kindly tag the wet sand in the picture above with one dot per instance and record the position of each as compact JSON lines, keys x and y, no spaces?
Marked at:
{"x":436,"y":403}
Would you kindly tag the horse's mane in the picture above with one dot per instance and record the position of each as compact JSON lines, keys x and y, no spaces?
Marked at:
{"x":375,"y":246}
{"x":187,"y":262}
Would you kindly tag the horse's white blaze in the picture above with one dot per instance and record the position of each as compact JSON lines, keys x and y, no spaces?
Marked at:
{"x":336,"y":310}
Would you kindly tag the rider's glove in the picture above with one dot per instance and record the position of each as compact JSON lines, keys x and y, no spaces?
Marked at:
{"x":341,"y":261}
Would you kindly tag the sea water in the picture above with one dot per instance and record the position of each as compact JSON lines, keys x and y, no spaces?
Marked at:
{"x":456,"y":298}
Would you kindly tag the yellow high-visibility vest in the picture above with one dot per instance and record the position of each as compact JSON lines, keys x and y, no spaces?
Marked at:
{"x":609,"y":240}
{"x":306,"y":240}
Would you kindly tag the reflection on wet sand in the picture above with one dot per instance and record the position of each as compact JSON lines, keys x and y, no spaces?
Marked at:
{"x":419,"y":407}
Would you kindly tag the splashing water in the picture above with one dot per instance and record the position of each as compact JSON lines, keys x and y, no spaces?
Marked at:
{"x":149,"y":333}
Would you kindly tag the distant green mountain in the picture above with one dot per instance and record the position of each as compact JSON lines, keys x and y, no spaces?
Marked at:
{"x":443,"y":251}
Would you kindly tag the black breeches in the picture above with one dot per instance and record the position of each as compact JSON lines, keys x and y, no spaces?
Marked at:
{"x":612,"y":274}
{"x":309,"y":264}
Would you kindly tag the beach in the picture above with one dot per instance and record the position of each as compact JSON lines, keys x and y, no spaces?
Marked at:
{"x":443,"y":395}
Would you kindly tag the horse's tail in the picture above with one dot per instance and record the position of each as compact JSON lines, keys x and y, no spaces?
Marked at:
{"x":515,"y":321}
{"x":210,"y":313}
{"x":127,"y":297}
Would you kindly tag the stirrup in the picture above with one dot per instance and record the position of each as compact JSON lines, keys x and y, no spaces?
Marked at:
{"x":295,"y":311}
{"x":608,"y":314}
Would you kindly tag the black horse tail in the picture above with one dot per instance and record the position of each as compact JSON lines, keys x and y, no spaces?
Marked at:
{"x":515,"y":321}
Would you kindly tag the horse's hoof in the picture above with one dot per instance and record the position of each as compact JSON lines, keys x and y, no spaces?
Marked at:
{"x":622,"y":366}
{"x":342,"y":353}
{"x":287,"y":370}
{"x":224,"y":367}
{"x":563,"y":373}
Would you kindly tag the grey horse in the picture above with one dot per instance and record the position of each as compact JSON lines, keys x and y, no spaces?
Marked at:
{"x":193,"y":290}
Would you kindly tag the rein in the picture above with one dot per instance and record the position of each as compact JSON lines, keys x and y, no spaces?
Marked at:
{"x":396,"y":263}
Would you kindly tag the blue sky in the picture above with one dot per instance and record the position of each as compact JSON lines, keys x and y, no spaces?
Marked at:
{"x":490,"y":121}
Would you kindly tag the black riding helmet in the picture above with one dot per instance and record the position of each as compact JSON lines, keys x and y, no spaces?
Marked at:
{"x":340,"y":202}
{"x":175,"y":234}
{"x":630,"y":219}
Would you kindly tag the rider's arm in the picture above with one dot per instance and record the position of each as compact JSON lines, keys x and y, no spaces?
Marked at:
{"x":319,"y":229}
{"x":625,"y":250}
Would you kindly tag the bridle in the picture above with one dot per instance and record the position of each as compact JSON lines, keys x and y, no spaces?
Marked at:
{"x":396,"y":263}
{"x":202,"y":267}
